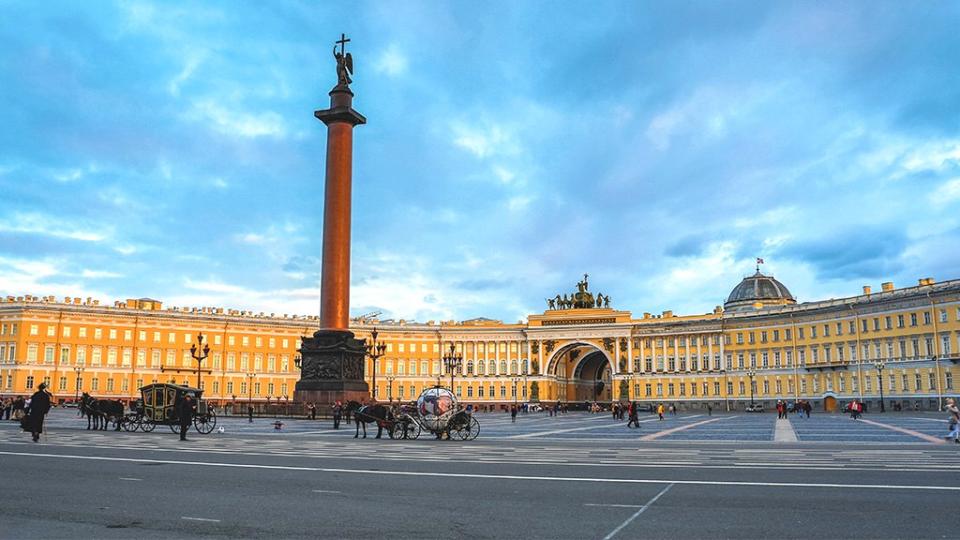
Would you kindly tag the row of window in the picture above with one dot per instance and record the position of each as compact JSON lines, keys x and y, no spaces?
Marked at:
{"x":838,"y":327}
{"x":110,"y":387}
{"x":114,"y":334}
{"x":125,"y":356}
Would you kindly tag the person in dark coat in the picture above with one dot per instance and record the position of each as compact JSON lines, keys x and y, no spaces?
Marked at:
{"x":634,"y":419}
{"x":39,"y":407}
{"x":185,"y":410}
{"x":337,"y":414}
{"x":250,"y":413}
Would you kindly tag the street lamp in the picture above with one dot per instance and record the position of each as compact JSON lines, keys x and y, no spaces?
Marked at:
{"x":453,"y":362}
{"x":78,"y":371}
{"x":751,"y":373}
{"x":516,"y":381}
{"x":199,"y":351}
{"x":390,"y":379}
{"x":375,"y":351}
{"x":250,"y":377}
{"x":880,"y":365}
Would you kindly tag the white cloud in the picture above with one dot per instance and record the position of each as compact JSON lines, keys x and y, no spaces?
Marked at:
{"x":946,"y":193}
{"x":392,"y":61}
{"x":99,"y":274}
{"x":220,"y":183}
{"x":771,"y":218}
{"x":505,"y":175}
{"x":34,"y":223}
{"x":39,"y":278}
{"x":251,"y":238}
{"x":193,"y":61}
{"x":518,"y":203}
{"x":126,"y":249}
{"x":69,"y":175}
{"x":481,"y":142}
{"x":239,"y":123}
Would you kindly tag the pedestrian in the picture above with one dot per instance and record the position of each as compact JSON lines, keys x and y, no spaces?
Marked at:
{"x":660,"y":411}
{"x":954,"y":420}
{"x":7,"y":408}
{"x":513,"y":414}
{"x":250,"y":413}
{"x":709,"y":410}
{"x":313,"y":410}
{"x":39,"y":407}
{"x":337,"y":414}
{"x":634,"y":420}
{"x":673,"y":409}
{"x":185,"y":409}
{"x":807,"y":408}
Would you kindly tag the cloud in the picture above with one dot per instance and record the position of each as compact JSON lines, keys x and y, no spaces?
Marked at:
{"x":481,"y":141}
{"x":946,"y":193}
{"x":236,"y":123}
{"x":193,"y":62}
{"x":392,"y":61}
{"x":36,"y":223}
{"x":99,"y":274}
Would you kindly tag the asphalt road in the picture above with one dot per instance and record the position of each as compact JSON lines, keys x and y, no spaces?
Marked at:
{"x":79,"y":484}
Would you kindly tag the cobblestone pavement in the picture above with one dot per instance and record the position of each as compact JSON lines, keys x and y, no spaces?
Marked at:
{"x":923,"y":428}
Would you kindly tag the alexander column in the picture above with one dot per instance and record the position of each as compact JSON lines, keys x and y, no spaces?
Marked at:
{"x":331,"y":366}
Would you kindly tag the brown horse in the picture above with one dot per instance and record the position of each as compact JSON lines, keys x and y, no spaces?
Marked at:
{"x":365,"y":414}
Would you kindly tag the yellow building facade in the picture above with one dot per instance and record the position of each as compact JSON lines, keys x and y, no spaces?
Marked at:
{"x":761,"y":346}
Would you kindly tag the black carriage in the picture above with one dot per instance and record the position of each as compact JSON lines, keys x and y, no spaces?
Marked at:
{"x":158,"y":406}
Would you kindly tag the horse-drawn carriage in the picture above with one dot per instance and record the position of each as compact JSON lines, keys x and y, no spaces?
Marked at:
{"x":436,"y":411}
{"x":158,"y":406}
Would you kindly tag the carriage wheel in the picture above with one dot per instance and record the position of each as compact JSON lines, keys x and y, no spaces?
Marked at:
{"x":129,"y":423}
{"x":473,"y":430}
{"x":205,"y":423}
{"x":148,"y":425}
{"x":413,"y":430}
{"x":174,"y":427}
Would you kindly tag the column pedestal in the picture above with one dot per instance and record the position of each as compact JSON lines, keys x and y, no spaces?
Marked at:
{"x":331,"y":368}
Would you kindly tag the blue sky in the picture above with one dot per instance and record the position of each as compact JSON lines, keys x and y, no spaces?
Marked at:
{"x":169,"y":150}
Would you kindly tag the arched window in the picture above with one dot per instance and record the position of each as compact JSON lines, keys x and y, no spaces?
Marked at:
{"x":480,"y":366}
{"x":513,"y":367}
{"x":503,"y":367}
{"x":470,"y":367}
{"x":491,"y":367}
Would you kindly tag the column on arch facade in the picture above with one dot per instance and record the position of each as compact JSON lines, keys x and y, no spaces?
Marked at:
{"x":630,"y":354}
{"x":643,"y":366}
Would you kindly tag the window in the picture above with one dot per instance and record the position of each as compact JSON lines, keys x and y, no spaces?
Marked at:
{"x":740,"y":361}
{"x":766,"y":387}
{"x":826,"y":330}
{"x":753,"y":360}
{"x":949,"y":380}
{"x":739,"y":338}
{"x":128,"y":335}
{"x":742,"y":388}
{"x":931,"y":381}
{"x":230,"y":387}
{"x":111,"y":356}
{"x":258,"y":342}
{"x":48,"y":354}
{"x":29,"y":381}
{"x":763,"y":337}
{"x":900,"y":321}
{"x":113,"y":333}
{"x":876,"y":324}
{"x":764,"y":359}
{"x":729,"y":388}
{"x":752,"y":340}
{"x":171,"y":359}
{"x":926,"y":317}
{"x":913,"y":319}
{"x":800,"y":333}
{"x":155,"y":359}
{"x":813,"y":332}
{"x":786,"y":334}
{"x":779,"y":386}
{"x":776,"y":335}
{"x":34,"y":330}
{"x":95,"y":384}
{"x":839,"y":329}
{"x":51,"y":330}
{"x":231,"y":340}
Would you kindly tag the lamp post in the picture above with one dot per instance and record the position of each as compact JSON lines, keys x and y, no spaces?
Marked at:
{"x":516,"y":381}
{"x":78,"y":371}
{"x":751,"y":373}
{"x":199,"y":351}
{"x":390,"y":379}
{"x":250,"y":377}
{"x":452,"y":361}
{"x":375,"y":351}
{"x":880,"y":365}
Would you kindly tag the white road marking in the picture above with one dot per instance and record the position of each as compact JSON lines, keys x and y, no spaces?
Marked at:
{"x":638,"y":512}
{"x":325,"y":491}
{"x":684,"y":427}
{"x":188,"y":518}
{"x":908,"y":487}
{"x":784,"y":431}
{"x":615,"y":505}
{"x":131,"y":479}
{"x":557,"y":431}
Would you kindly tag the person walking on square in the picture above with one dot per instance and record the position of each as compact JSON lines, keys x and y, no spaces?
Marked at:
{"x":185,"y":409}
{"x":250,"y":413}
{"x":660,"y":411}
{"x":807,"y":408}
{"x":7,"y":407}
{"x":513,"y":414}
{"x":312,"y":409}
{"x":954,"y":420}
{"x":337,"y":414}
{"x":39,"y":407}
{"x":634,"y":421}
{"x":709,"y":410}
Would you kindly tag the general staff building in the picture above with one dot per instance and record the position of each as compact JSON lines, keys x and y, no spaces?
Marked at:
{"x":761,"y":346}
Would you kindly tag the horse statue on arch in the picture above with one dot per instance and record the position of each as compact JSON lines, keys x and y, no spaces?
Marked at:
{"x":368,"y":414}
{"x":100,"y":412}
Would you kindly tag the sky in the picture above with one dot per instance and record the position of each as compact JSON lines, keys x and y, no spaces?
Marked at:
{"x":169,"y":150}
